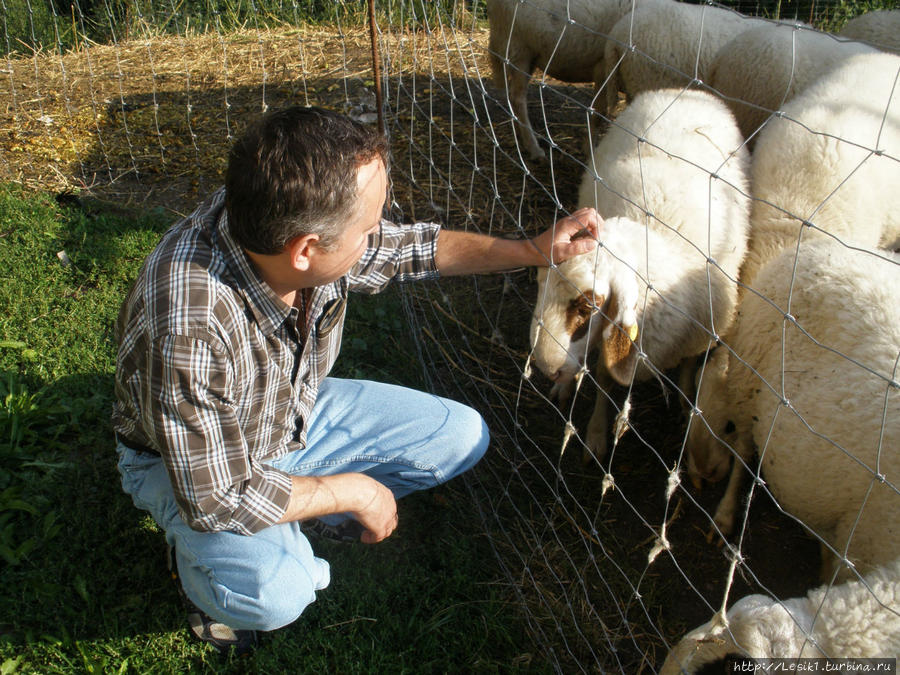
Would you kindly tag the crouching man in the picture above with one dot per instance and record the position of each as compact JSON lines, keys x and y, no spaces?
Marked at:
{"x":229,"y":431}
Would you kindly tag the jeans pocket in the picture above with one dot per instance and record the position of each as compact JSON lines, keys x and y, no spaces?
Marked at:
{"x":134,"y":467}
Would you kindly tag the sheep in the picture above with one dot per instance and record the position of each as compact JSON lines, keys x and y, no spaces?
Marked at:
{"x":830,"y":160}
{"x":670,"y":177}
{"x":817,"y":164}
{"x":857,"y":619}
{"x":812,"y":383}
{"x":564,"y":38}
{"x":880,"y":28}
{"x":761,"y":68}
{"x":665,"y":45}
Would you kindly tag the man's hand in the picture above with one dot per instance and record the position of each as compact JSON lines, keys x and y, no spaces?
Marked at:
{"x":378,"y":512}
{"x":470,"y":253}
{"x":367,"y":500}
{"x":570,"y":236}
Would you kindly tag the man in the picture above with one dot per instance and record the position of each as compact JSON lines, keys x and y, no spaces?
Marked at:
{"x":229,"y":431}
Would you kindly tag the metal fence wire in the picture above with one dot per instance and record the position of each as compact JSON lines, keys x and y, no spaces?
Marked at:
{"x":740,"y":312}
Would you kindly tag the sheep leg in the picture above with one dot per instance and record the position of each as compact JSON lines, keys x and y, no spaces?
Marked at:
{"x":561,"y":392}
{"x":687,"y":369}
{"x":724,"y":517}
{"x":595,"y":439}
{"x":597,"y":118}
{"x":606,"y":75}
{"x":518,"y":102}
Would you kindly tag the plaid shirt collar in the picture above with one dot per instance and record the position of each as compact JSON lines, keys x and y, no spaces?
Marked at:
{"x":269,"y":310}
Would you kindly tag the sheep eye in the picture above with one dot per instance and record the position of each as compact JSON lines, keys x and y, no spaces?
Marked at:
{"x":582,"y":309}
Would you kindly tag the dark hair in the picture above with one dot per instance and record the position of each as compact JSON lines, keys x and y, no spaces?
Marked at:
{"x":293,"y":172}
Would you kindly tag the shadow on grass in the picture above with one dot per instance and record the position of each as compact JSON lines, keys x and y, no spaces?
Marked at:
{"x":98,"y":591}
{"x":461,"y":581}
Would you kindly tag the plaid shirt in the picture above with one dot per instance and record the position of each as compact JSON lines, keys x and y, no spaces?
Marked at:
{"x":217,"y":374}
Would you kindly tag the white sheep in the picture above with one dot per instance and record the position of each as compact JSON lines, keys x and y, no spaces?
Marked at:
{"x":812,"y":385}
{"x":854,"y":620}
{"x":763,"y":67}
{"x":880,"y":28}
{"x":831,"y":161}
{"x":564,"y":38}
{"x":665,"y":45}
{"x":670,"y":177}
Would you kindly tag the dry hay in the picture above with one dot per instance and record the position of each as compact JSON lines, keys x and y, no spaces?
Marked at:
{"x":149,"y":122}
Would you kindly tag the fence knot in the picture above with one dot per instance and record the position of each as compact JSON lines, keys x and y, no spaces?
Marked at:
{"x":673,"y":482}
{"x":609,"y":483}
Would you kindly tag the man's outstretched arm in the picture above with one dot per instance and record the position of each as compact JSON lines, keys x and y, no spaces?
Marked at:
{"x":470,"y":253}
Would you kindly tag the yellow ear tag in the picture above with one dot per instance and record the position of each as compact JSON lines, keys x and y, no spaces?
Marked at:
{"x":632,"y":332}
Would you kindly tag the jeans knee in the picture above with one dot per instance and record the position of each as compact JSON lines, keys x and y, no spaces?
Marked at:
{"x":273,"y":610}
{"x":254,"y":596}
{"x":471,"y":437}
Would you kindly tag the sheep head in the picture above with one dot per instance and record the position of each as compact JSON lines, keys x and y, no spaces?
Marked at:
{"x":757,"y":627}
{"x":584,"y":302}
{"x":564,"y":325}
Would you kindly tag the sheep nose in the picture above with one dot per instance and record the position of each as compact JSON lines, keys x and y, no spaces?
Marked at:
{"x":555,"y":376}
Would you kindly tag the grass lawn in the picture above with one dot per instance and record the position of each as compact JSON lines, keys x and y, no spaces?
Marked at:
{"x":83,"y":576}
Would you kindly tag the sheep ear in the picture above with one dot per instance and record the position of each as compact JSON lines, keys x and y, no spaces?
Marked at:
{"x":618,"y":342}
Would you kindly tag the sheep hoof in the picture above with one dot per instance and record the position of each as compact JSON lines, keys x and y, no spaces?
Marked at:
{"x":596,"y":446}
{"x":712,"y":534}
{"x":723,"y":526}
{"x":537,"y":155}
{"x":561,"y":392}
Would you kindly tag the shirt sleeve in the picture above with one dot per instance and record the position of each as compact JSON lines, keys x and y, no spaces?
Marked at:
{"x":218,"y":485}
{"x":396,"y":253}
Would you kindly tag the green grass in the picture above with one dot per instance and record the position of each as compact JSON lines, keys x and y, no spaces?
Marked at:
{"x":83,"y":577}
{"x":56,"y":25}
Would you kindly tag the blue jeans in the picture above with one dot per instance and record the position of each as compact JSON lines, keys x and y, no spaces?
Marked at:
{"x":406,"y":439}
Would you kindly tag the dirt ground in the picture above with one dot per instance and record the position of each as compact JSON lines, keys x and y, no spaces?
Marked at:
{"x":148,"y":123}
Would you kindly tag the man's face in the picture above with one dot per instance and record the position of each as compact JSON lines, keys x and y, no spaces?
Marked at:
{"x":371,"y":190}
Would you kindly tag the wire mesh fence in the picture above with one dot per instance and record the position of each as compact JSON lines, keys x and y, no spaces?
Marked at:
{"x":766,"y":337}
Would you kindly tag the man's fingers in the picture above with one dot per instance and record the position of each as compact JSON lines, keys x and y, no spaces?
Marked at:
{"x":584,"y":244}
{"x":587,"y":223}
{"x":380,"y":531}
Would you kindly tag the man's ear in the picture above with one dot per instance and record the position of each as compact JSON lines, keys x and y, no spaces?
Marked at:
{"x":300,"y":251}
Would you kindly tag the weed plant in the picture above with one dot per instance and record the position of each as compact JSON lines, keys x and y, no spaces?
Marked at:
{"x":35,"y":25}
{"x":57,"y":25}
{"x":83,"y":575}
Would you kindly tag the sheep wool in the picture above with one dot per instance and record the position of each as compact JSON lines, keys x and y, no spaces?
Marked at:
{"x":814,"y":394}
{"x":673,"y":42}
{"x":857,"y":619}
{"x":880,"y":28}
{"x":831,"y":161}
{"x":670,"y":178}
{"x":564,"y":38}
{"x":763,"y":67}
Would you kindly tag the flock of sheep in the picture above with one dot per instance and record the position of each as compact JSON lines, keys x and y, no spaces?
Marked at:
{"x":751,"y":197}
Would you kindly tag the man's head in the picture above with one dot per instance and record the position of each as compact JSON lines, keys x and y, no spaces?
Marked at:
{"x":294,"y":172}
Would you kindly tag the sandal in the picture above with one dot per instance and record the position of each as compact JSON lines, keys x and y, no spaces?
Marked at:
{"x":220,"y":636}
{"x":347,"y":532}
{"x":207,"y":629}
